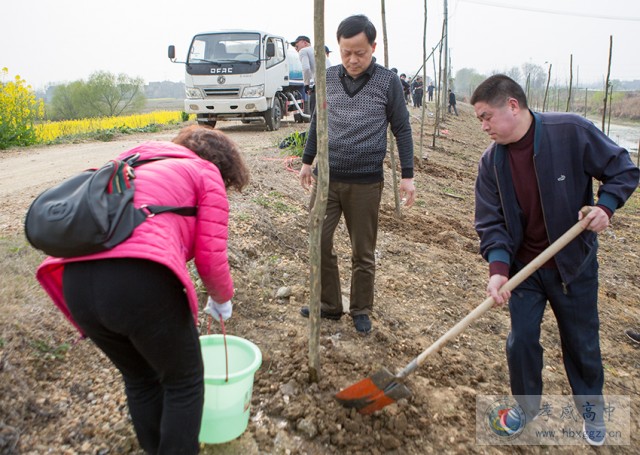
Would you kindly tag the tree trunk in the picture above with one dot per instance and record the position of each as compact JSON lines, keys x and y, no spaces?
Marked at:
{"x":390,"y":139}
{"x":322,"y":191}
{"x":424,"y":81}
{"x":610,"y":109}
{"x":445,"y":76}
{"x":546,"y":91}
{"x":606,"y":84}
{"x":570,"y":82}
{"x":436,"y":125}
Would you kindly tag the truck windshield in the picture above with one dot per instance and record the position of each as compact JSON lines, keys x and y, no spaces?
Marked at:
{"x":225,"y":48}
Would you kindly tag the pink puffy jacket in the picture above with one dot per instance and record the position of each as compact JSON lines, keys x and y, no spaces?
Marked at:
{"x":168,"y":238}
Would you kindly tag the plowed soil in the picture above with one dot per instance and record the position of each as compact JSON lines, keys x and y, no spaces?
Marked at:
{"x":61,"y":397}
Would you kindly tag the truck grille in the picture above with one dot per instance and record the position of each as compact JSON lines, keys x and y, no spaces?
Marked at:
{"x":227,"y":91}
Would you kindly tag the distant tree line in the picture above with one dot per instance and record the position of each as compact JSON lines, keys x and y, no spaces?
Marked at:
{"x":104,"y":94}
{"x":552,"y":95}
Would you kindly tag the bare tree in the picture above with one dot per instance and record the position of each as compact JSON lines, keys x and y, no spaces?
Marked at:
{"x":445,"y":75}
{"x":424,"y":80}
{"x":606,"y":84}
{"x":570,"y":82}
{"x":546,"y":90}
{"x":390,"y":140}
{"x":322,"y":192}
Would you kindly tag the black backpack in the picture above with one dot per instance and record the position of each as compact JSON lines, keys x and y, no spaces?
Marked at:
{"x":91,"y":212}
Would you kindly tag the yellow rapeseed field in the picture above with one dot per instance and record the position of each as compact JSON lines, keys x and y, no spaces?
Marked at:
{"x":50,"y":131}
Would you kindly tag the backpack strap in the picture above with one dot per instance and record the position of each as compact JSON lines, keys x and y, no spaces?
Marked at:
{"x":152,"y":210}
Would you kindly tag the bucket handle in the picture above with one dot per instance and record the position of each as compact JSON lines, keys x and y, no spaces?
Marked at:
{"x":224,"y":337}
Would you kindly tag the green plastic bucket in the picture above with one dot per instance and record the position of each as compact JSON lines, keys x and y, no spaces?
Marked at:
{"x":226,"y":404}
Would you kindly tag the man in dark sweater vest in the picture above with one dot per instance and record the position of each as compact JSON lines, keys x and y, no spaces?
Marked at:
{"x":363,"y":98}
{"x":532,"y":182}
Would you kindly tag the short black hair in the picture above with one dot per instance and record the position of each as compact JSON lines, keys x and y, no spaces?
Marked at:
{"x":497,"y":89}
{"x":353,"y":25}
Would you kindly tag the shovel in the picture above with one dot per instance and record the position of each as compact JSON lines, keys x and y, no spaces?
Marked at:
{"x":383,"y":387}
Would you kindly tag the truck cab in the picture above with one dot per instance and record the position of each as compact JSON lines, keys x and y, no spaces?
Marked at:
{"x":245,"y":75}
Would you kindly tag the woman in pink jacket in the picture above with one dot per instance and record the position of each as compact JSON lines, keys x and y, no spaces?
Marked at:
{"x":137,"y":302}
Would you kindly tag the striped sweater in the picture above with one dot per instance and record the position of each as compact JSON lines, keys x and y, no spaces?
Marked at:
{"x":357,"y":124}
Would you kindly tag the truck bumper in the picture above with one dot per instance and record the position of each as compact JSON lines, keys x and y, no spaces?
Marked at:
{"x":241,"y":107}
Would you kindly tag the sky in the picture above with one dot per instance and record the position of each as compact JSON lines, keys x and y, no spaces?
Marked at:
{"x":59,"y":41}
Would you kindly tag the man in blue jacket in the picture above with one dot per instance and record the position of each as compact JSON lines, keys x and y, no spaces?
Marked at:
{"x":532,"y":182}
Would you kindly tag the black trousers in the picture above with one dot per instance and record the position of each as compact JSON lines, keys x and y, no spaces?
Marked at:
{"x":137,"y":313}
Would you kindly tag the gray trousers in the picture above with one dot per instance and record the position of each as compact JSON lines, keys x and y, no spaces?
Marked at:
{"x":360,"y":204}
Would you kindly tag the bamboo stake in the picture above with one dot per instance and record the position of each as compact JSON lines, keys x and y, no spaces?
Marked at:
{"x":322,"y":192}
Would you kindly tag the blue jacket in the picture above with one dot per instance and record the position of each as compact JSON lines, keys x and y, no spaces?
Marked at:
{"x":569,"y":152}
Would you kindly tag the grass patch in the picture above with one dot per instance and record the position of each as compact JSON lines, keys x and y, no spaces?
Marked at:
{"x":48,"y":352}
{"x":275,"y":201}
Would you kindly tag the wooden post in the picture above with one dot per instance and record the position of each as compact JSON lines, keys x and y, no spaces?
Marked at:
{"x":322,"y":192}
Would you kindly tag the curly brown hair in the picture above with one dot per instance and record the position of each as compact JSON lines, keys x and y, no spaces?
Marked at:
{"x":218,"y":148}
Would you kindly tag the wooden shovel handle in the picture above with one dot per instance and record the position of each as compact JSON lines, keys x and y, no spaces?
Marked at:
{"x":510,"y":285}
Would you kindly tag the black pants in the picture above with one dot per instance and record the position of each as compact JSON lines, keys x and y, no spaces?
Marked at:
{"x":137,"y":313}
{"x":576,"y":312}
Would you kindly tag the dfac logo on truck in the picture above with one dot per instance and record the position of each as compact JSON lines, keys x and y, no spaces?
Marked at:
{"x":221,"y":70}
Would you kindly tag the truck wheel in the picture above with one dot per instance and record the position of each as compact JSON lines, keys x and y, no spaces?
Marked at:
{"x":273,"y":116}
{"x":211,"y":123}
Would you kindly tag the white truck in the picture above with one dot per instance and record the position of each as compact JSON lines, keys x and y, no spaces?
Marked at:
{"x":245,"y":75}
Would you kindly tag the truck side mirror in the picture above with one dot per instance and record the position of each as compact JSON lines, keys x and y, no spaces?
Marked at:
{"x":271,"y":49}
{"x":172,"y":52}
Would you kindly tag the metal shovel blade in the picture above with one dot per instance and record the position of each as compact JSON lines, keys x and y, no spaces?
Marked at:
{"x":373,"y":393}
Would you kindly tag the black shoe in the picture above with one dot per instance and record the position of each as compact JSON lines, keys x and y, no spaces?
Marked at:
{"x":633,"y":335}
{"x":362,"y":323}
{"x":304,"y":311}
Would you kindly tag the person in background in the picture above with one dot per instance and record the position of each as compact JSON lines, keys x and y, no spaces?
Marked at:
{"x":137,"y":303}
{"x":406,"y":88}
{"x":430,"y":89}
{"x":452,"y":103}
{"x":302,"y":44}
{"x":417,"y":89}
{"x":532,"y":181}
{"x":327,"y":61}
{"x":363,"y":98}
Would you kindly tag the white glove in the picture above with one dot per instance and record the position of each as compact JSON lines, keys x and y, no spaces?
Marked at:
{"x":217,"y":310}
